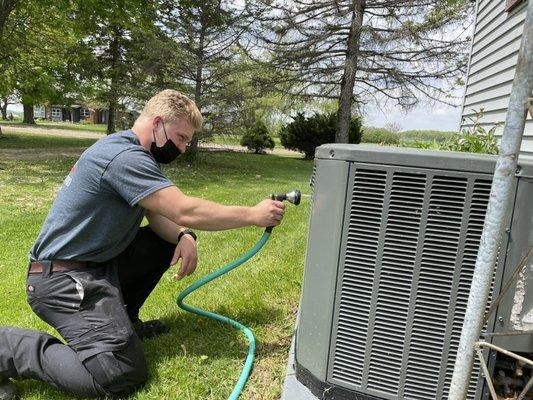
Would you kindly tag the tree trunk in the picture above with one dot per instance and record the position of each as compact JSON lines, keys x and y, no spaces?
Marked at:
{"x":114,"y":49}
{"x":3,"y":108}
{"x":28,"y":114}
{"x":193,"y":148}
{"x":350,"y":69}
{"x":6,"y":7}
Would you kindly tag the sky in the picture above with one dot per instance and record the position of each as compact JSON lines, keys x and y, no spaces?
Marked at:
{"x":438,"y":117}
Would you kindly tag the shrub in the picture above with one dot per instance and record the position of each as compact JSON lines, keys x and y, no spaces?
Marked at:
{"x":306,"y":134}
{"x":427,"y":136}
{"x":380,"y":135}
{"x":474,"y":143}
{"x":422,"y":144}
{"x":257,"y":138}
{"x":474,"y":139}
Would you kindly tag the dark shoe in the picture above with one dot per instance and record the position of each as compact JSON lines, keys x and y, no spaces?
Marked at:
{"x":149,"y":329}
{"x":8,"y":391}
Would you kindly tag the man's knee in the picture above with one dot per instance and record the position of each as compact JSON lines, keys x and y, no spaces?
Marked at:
{"x":119,"y":372}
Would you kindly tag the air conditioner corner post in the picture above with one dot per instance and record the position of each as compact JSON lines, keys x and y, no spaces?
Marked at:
{"x":497,"y":211}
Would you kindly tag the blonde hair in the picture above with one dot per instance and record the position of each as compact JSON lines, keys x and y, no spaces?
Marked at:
{"x":172,"y":105}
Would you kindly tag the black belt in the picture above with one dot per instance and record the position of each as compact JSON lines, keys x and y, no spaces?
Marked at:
{"x":37,"y":267}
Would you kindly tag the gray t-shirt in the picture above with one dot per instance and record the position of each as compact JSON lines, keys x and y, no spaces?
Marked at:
{"x":96,"y":213}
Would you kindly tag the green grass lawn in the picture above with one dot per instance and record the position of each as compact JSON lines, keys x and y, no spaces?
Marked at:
{"x":18,"y":140}
{"x":199,"y":359}
{"x":235,"y":140}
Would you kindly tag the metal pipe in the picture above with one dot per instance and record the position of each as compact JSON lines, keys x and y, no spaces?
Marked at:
{"x":523,"y":360}
{"x":492,"y":391}
{"x":509,"y":333}
{"x":497,"y":211}
{"x":524,"y":391}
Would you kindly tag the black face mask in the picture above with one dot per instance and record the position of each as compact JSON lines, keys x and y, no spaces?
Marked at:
{"x":166,"y":153}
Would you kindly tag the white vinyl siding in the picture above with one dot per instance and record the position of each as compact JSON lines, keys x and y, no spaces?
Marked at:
{"x":492,"y":66}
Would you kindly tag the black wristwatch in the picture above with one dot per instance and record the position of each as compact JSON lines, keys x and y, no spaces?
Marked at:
{"x":187,"y":232}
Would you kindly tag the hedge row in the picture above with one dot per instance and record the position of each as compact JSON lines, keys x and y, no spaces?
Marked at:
{"x":384,"y":136}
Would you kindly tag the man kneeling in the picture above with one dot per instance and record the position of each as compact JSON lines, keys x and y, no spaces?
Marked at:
{"x":92,"y":266}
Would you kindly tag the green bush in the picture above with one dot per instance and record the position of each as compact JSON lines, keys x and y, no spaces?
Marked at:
{"x":422,"y":139}
{"x":426,"y":136}
{"x":422,"y":144}
{"x":306,"y":134}
{"x":475,"y":139}
{"x":474,"y":143}
{"x":380,"y":135}
{"x":257,"y":138}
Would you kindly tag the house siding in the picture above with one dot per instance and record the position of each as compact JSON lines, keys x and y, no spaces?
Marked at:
{"x":493,"y":59}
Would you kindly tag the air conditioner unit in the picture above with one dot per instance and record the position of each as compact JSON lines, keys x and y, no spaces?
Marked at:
{"x":393,"y":239}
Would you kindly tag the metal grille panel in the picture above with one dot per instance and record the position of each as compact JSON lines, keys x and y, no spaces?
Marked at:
{"x":363,"y":236}
{"x":393,"y":293}
{"x":476,"y":218}
{"x":403,"y":280}
{"x":437,"y":267}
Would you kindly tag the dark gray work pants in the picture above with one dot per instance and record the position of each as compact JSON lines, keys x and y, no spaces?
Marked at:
{"x":92,"y":309}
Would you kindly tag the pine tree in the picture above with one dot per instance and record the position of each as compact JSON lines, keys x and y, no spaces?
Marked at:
{"x":359,"y":51}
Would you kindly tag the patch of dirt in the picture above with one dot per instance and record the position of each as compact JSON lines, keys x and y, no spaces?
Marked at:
{"x":229,"y":147}
{"x":39,"y":130}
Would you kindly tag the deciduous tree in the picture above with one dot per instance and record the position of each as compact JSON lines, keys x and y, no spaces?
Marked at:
{"x":35,"y":52}
{"x":110,"y":35}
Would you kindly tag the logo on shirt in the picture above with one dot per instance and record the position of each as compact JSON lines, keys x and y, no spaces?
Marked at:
{"x":68,"y":178}
{"x":67,"y":181}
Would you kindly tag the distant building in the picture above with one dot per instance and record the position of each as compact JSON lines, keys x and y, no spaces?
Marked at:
{"x":99,"y":116}
{"x":39,"y":112}
{"x":74,"y":113}
{"x":78,"y":113}
{"x":497,"y":36}
{"x":58,"y":113}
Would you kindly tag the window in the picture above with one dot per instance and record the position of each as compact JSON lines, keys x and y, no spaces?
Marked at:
{"x":38,"y":111}
{"x":84,"y":112}
{"x":56,"y":112}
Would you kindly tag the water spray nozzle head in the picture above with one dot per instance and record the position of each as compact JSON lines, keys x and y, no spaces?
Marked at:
{"x":293,"y":197}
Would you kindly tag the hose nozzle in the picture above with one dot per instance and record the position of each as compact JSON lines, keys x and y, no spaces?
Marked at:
{"x":293,"y":197}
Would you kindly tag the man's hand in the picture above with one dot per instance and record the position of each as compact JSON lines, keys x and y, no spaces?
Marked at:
{"x":268,"y":213}
{"x":186,"y":250}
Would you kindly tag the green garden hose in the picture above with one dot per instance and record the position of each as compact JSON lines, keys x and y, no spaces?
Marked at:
{"x":239,"y":386}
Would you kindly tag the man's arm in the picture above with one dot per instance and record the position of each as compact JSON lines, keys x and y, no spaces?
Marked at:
{"x":185,"y":249}
{"x":165,"y":228}
{"x":193,"y":212}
